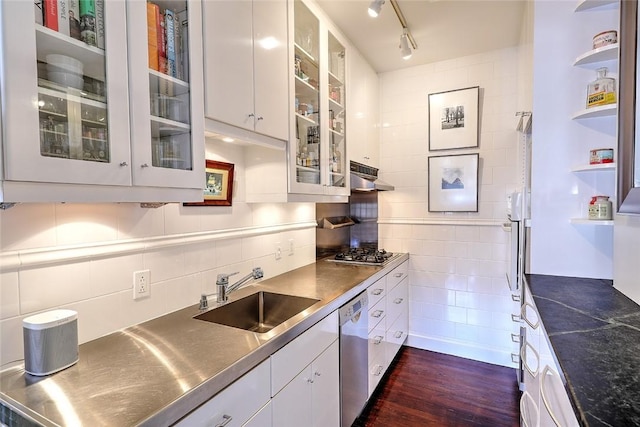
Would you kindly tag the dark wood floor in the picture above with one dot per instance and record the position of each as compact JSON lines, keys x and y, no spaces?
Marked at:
{"x":423,"y":388}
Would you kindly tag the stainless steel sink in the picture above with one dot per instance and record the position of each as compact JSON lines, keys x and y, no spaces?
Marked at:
{"x":259,"y":312}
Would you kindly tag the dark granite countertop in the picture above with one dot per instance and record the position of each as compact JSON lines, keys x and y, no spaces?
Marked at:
{"x":594,"y":331}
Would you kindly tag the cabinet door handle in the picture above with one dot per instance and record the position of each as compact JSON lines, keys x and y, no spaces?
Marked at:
{"x":515,"y":297}
{"x":548,"y":372}
{"x":377,"y":313}
{"x":124,"y":164}
{"x":226,"y":419}
{"x":398,"y":275}
{"x":523,"y":357}
{"x":515,"y":338}
{"x":377,"y":339}
{"x":398,"y":301}
{"x":144,"y":165}
{"x":523,"y":314}
{"x":251,"y":115}
{"x":399,"y":334}
{"x":514,"y":357}
{"x":515,"y":318}
{"x":377,"y":291}
{"x":317,"y":374}
{"x":260,"y":118}
{"x":378,"y":370}
{"x":310,"y":380}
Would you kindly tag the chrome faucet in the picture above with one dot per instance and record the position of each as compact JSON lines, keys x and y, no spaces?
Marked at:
{"x":224,"y":289}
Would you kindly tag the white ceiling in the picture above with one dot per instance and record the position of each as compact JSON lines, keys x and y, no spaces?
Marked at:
{"x":442,"y":29}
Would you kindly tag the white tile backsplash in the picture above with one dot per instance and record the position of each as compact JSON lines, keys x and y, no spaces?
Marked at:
{"x":459,"y":298}
{"x":111,"y":241}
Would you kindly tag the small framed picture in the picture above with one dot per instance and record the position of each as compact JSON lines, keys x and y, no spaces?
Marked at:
{"x":218,"y":188}
{"x":453,"y":119}
{"x":453,"y":183}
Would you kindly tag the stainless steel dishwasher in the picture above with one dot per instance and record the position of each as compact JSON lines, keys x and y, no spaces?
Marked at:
{"x":354,"y":372}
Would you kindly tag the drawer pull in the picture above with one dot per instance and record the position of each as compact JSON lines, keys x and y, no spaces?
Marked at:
{"x":515,"y":318}
{"x":515,"y":338}
{"x":515,"y":297}
{"x":523,"y":314}
{"x":398,"y":301}
{"x":310,"y":380}
{"x":514,"y":358}
{"x":378,"y":370}
{"x":377,"y":313}
{"x":377,"y":339}
{"x":398,"y":275}
{"x":377,"y":291}
{"x":226,"y":419}
{"x":399,"y":334}
{"x":317,"y":374}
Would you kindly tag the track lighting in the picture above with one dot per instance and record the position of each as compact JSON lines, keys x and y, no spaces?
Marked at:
{"x":405,"y":49}
{"x":374,"y":8}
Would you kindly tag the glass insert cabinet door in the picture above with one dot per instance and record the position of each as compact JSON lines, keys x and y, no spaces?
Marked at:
{"x":164,"y":36}
{"x":64,"y":86}
{"x":337,"y":145}
{"x":307,"y":95}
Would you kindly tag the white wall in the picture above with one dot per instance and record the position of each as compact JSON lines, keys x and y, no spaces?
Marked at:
{"x":459,"y":300}
{"x":557,"y":246}
{"x":82,"y":257}
{"x":626,"y":266}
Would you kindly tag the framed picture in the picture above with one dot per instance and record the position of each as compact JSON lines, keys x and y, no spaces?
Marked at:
{"x":453,"y":119}
{"x":218,"y":188}
{"x":453,"y":183}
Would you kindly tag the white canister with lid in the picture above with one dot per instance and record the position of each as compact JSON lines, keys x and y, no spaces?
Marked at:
{"x":602,"y":208}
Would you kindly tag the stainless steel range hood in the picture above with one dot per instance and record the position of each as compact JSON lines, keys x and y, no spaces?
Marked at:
{"x":365,"y":178}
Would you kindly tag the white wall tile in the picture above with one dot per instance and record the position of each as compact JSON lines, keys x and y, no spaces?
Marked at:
{"x":27,"y":226}
{"x":9,"y":295}
{"x":111,"y":275}
{"x":48,"y":287}
{"x":83,"y":223}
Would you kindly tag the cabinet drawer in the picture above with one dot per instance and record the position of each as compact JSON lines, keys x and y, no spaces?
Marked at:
{"x":396,"y":335}
{"x":240,"y":401}
{"x":396,"y":275}
{"x":376,"y":314}
{"x":377,"y":339}
{"x":397,"y":301}
{"x":292,"y":358}
{"x":377,"y":291}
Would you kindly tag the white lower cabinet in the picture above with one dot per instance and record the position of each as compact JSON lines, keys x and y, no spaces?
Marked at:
{"x":236,"y":404}
{"x":388,"y":321}
{"x":262,"y":418}
{"x":305,"y":378}
{"x":312,"y":397}
{"x":545,"y":401}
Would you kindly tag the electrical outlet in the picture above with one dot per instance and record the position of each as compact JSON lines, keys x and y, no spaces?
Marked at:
{"x":291,"y":247}
{"x":278,"y":251}
{"x":141,"y":285}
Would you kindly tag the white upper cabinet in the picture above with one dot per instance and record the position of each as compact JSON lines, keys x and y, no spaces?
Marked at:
{"x":68,"y":88}
{"x":246,"y":65}
{"x":363,"y":115}
{"x":317,"y":145}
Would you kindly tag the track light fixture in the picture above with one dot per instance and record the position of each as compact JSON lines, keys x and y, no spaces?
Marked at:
{"x":405,"y":49}
{"x":374,"y":8}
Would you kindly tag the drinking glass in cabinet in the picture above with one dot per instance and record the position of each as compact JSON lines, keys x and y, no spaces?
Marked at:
{"x":71,"y":70}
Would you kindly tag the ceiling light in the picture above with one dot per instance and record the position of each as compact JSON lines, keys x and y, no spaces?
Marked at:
{"x":405,"y":49}
{"x":374,"y":8}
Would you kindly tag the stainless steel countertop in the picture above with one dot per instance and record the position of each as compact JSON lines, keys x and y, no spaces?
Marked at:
{"x":158,"y":371}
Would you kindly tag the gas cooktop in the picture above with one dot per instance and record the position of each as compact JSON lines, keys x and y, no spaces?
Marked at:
{"x":363,"y":256}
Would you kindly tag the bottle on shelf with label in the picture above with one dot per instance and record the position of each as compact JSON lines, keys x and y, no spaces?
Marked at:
{"x":601,"y":91}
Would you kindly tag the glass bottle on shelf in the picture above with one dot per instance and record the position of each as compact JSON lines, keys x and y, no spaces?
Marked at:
{"x":336,"y":90}
{"x":601,"y":91}
{"x":71,"y":71}
{"x":167,"y":39}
